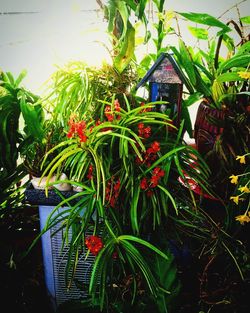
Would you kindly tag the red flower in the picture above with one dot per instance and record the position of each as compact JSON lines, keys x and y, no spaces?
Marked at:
{"x":90,"y":172}
{"x":117,"y":105}
{"x":158,"y":172}
{"x":94,"y":244}
{"x":144,"y":184}
{"x":154,"y":180}
{"x":149,"y":193}
{"x":70,"y":134}
{"x":144,"y":132}
{"x":140,"y":126}
{"x":112,"y":192}
{"x":112,"y":201}
{"x":108,"y":114}
{"x":147,"y":132}
{"x":117,"y":186}
{"x":78,"y":128}
{"x":138,"y":160}
{"x":155,"y":146}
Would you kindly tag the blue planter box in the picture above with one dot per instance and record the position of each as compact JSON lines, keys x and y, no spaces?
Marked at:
{"x":54,"y":258}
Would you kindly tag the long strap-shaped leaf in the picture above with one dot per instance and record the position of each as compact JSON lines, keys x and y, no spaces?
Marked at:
{"x":58,"y":163}
{"x":137,"y":257}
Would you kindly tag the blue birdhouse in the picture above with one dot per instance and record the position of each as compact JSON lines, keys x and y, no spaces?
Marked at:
{"x":166,"y":81}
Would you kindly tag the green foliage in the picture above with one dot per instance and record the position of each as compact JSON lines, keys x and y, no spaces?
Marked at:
{"x":115,"y":204}
{"x":122,"y":32}
{"x":11,"y":173}
{"x":205,"y":19}
{"x":210,"y":73}
{"x":76,"y":87}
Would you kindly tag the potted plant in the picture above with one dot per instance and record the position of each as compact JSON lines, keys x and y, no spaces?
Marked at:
{"x":19,"y":109}
{"x":221,"y":81}
{"x":127,"y":160}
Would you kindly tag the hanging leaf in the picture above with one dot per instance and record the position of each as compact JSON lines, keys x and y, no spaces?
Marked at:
{"x":123,"y":11}
{"x":141,"y":8}
{"x":122,"y":60}
{"x":117,"y":10}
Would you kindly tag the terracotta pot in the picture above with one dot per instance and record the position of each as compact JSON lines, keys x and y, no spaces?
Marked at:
{"x":205,"y":131}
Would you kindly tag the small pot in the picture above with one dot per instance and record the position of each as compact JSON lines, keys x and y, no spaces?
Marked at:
{"x":40,"y":184}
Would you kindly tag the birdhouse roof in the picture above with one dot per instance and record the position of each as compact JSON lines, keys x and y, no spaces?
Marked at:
{"x":164,"y":70}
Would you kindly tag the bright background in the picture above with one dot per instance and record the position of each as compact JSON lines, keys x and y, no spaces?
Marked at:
{"x":38,"y":34}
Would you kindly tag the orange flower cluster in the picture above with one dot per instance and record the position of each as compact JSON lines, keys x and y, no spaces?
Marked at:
{"x":148,"y":184}
{"x":94,"y":244}
{"x":150,"y":155}
{"x":77,"y":128}
{"x":144,"y":132}
{"x":112,"y":192}
{"x":110,"y":115}
{"x":90,"y":172}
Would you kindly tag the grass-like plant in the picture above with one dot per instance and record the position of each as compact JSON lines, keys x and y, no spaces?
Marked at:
{"x":127,"y":163}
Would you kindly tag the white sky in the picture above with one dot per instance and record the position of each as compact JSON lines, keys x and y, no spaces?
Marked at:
{"x":62,"y":30}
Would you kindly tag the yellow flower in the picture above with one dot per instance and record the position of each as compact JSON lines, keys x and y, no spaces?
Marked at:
{"x":235,"y":199}
{"x":243,"y":219}
{"x":234,"y":179}
{"x":241,"y":158}
{"x":244,"y":189}
{"x":245,"y":75}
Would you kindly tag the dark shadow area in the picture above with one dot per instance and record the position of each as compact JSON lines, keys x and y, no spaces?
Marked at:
{"x":22,"y":285}
{"x":209,"y":284}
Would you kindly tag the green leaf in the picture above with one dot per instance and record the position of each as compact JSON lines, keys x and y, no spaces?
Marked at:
{"x":235,"y":61}
{"x":123,"y":11}
{"x":112,"y":15}
{"x":187,"y":62}
{"x":34,"y":119}
{"x":126,"y":52}
{"x":192,"y":99}
{"x":166,"y":274}
{"x":170,"y":197}
{"x":140,"y":11}
{"x":206,"y":19}
{"x":185,"y":66}
{"x":245,"y":19}
{"x":141,"y":263}
{"x":185,"y":116}
{"x":100,"y":261}
{"x":133,"y":211}
{"x":244,"y":48}
{"x":144,"y":243}
{"x":9,"y":78}
{"x":200,"y":33}
{"x":228,"y":77}
{"x":20,"y":78}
